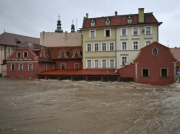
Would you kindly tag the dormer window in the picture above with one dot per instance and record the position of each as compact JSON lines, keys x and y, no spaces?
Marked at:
{"x":76,"y":55}
{"x":107,"y":21}
{"x":62,"y":54}
{"x":92,"y":22}
{"x":129,"y":20}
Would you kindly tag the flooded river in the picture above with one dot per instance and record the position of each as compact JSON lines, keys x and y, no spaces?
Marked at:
{"x":70,"y":107}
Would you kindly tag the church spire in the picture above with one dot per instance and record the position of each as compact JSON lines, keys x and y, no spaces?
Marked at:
{"x":72,"y":27}
{"x":59,"y":30}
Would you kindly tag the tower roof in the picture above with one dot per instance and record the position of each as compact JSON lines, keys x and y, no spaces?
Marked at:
{"x":59,"y":30}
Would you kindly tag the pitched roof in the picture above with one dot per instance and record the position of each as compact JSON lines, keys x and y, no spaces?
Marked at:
{"x":54,"y":51}
{"x":176,"y":53}
{"x":35,"y":48}
{"x":153,"y":45}
{"x":15,"y":39}
{"x":80,"y":72}
{"x":119,"y":20}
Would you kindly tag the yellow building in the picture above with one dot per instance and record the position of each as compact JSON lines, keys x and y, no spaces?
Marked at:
{"x":114,"y":41}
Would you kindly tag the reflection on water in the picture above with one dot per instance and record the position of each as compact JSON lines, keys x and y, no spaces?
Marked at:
{"x":69,"y":107}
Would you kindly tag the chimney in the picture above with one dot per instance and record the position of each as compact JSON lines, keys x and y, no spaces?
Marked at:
{"x":116,"y":13}
{"x":86,"y":15}
{"x":141,"y":15}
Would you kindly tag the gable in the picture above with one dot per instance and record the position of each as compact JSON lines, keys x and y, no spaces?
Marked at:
{"x":147,"y":54}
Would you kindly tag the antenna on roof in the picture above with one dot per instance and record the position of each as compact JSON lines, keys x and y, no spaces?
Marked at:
{"x":76,"y":25}
{"x":168,"y":43}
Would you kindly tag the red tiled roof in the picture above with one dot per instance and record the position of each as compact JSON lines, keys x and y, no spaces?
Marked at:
{"x":11,"y":39}
{"x":176,"y":53}
{"x":119,"y":20}
{"x":54,"y":51}
{"x":80,"y":72}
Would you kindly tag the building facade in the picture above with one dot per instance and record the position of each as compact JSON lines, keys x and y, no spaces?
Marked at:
{"x":159,"y":69}
{"x":28,"y":60}
{"x":8,"y":43}
{"x":114,"y":41}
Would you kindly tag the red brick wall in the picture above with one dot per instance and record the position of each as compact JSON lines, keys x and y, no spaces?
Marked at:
{"x":24,"y":73}
{"x":127,"y":71}
{"x":69,"y":64}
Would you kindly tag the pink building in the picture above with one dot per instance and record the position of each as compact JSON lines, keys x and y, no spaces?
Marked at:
{"x":28,"y":60}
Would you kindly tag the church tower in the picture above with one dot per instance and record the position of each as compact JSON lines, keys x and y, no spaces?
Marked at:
{"x":72,"y":27}
{"x":59,"y":30}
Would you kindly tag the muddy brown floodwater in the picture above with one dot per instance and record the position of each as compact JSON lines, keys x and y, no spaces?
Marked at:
{"x":71,"y":107}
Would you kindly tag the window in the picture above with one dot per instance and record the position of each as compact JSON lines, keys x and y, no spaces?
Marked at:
{"x":123,"y":31}
{"x":96,"y":64}
{"x":25,"y":54}
{"x":53,"y":66}
{"x":30,"y":67}
{"x":145,"y":72}
{"x":20,"y":67}
{"x":45,"y":66}
{"x":111,"y":47}
{"x":129,"y":19}
{"x":164,"y":72}
{"x":135,"y":45}
{"x":43,"y":54}
{"x":96,"y":47}
{"x":62,"y":54}
{"x":107,"y":21}
{"x":76,"y":54}
{"x":124,"y":61}
{"x":12,"y":67}
{"x":148,"y":30}
{"x":92,"y":22}
{"x":92,"y":34}
{"x":63,"y":66}
{"x":154,"y":51}
{"x":88,"y":63}
{"x":8,"y":49}
{"x":111,"y":63}
{"x":147,"y":42}
{"x":103,"y":63}
{"x":107,"y":32}
{"x":76,"y":65}
{"x":88,"y":47}
{"x":18,"y":54}
{"x":124,"y":45}
{"x":103,"y":46}
{"x":135,"y":31}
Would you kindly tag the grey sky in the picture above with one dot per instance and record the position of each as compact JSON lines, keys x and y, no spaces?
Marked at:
{"x":30,"y":17}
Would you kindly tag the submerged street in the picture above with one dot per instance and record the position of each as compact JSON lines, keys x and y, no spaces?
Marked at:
{"x":85,"y":107}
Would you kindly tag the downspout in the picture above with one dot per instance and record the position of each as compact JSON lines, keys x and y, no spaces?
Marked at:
{"x":116,"y":47}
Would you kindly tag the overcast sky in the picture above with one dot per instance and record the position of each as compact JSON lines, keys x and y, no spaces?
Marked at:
{"x":30,"y":17}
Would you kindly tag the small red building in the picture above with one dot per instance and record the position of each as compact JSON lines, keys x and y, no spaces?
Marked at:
{"x":28,"y":60}
{"x":154,"y":65}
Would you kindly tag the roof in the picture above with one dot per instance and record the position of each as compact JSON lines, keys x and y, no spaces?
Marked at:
{"x":15,"y":39}
{"x":120,"y":20}
{"x":80,"y":72}
{"x":32,"y":46}
{"x":54,"y":51}
{"x":176,"y":53}
{"x":153,"y":45}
